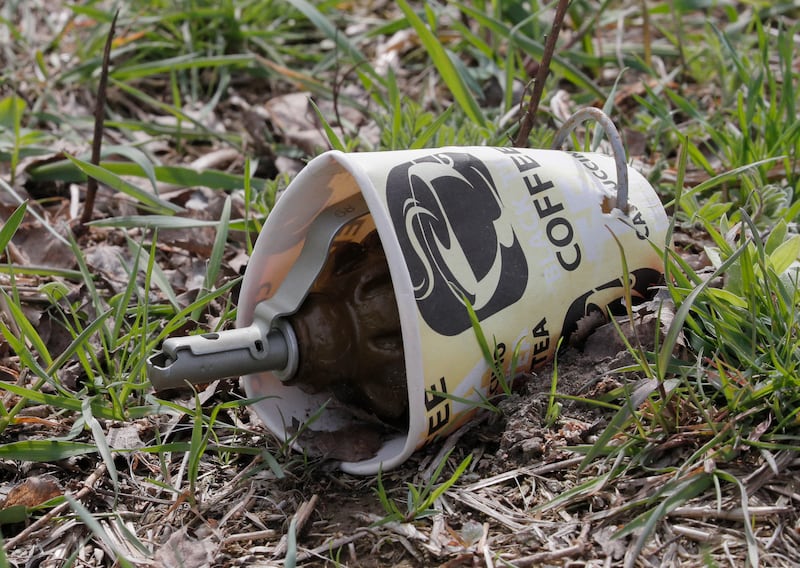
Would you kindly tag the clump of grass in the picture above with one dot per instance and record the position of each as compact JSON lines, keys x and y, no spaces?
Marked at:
{"x":753,"y":120}
{"x":748,"y":329}
{"x":420,"y":501}
{"x":733,"y":391}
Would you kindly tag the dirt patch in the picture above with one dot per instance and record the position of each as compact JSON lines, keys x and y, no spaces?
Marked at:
{"x":588,"y":372}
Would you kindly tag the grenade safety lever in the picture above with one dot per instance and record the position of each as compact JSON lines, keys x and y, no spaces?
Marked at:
{"x":269,"y":343}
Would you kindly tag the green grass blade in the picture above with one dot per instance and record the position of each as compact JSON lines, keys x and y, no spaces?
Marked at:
{"x":46,"y":271}
{"x":98,"y":530}
{"x":443,"y":487}
{"x":577,"y":492}
{"x":750,"y":537}
{"x":91,"y":290}
{"x":180,"y":115}
{"x":723,"y":177}
{"x":138,"y":158}
{"x":80,"y":341}
{"x":44,"y":450}
{"x":120,"y":309}
{"x":675,"y":327}
{"x":389,"y":506}
{"x":333,"y":138}
{"x":325,"y":26}
{"x":11,"y":110}
{"x":442,"y":60}
{"x":676,"y":495}
{"x":180,"y":176}
{"x":65,"y":402}
{"x":154,"y":272}
{"x":11,"y":224}
{"x":553,"y":406}
{"x":26,"y":356}
{"x":218,"y":250}
{"x":181,"y":62}
{"x":290,"y":560}
{"x":13,"y":193}
{"x":488,"y":354}
{"x":197,"y":446}
{"x":27,"y":330}
{"x":180,"y":317}
{"x":618,"y":422}
{"x":100,"y":440}
{"x":423,"y":137}
{"x":117,"y":183}
{"x":558,"y":64}
{"x":482,"y":401}
{"x":785,"y":254}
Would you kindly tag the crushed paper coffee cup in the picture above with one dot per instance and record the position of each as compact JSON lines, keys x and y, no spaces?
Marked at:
{"x":528,"y":237}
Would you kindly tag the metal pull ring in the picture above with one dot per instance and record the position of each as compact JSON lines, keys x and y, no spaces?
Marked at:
{"x":582,"y":115}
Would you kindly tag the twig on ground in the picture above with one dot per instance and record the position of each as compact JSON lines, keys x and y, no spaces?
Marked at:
{"x":785,"y":492}
{"x":483,"y":546}
{"x":516,"y":521}
{"x":99,"y":120}
{"x":647,"y":36}
{"x":332,"y":544}
{"x":768,"y":471}
{"x":551,"y":555}
{"x":693,"y":533}
{"x":529,"y":117}
{"x":247,"y":537}
{"x":301,"y":518}
{"x":530,"y":470}
{"x":737,"y":514}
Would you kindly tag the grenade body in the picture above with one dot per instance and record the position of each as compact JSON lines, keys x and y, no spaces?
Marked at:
{"x":348,"y":334}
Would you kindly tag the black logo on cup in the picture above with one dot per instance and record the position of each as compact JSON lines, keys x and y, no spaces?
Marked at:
{"x":456,"y":238}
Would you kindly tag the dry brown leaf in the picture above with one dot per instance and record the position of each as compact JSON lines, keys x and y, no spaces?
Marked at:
{"x":586,"y":325}
{"x":108,"y":260}
{"x":184,"y":551}
{"x":292,"y":116}
{"x":32,"y":492}
{"x":42,"y":248}
{"x":36,"y":420}
{"x":613,"y":547}
{"x":126,"y":437}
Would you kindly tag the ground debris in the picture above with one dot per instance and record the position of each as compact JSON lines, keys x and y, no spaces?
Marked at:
{"x":184,"y":551}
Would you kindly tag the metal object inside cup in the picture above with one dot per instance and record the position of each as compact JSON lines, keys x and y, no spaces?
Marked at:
{"x":267,"y":344}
